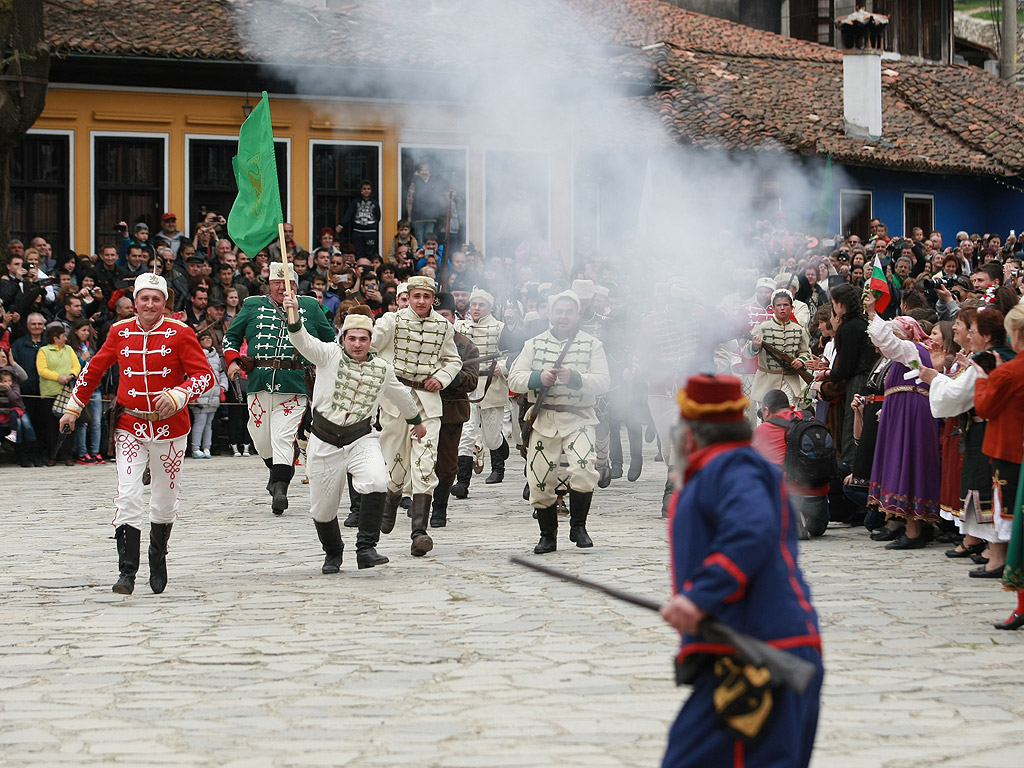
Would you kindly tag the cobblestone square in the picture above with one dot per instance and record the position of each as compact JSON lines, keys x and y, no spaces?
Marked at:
{"x":253,"y":658}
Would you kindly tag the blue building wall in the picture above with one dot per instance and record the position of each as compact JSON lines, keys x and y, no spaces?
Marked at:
{"x":960,"y":202}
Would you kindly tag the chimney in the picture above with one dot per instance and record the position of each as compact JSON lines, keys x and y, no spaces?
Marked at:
{"x":863,"y":40}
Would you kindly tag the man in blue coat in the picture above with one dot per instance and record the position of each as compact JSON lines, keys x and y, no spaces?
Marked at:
{"x":734,"y":550}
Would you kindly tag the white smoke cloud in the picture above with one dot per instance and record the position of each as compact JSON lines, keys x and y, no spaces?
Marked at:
{"x":532,"y":76}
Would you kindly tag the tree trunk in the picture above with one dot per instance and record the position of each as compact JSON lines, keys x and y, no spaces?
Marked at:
{"x":25,"y":67}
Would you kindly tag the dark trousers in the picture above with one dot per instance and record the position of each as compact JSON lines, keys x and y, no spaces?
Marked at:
{"x":365,"y":243}
{"x":50,"y":432}
{"x":447,"y":465}
{"x":696,"y":740}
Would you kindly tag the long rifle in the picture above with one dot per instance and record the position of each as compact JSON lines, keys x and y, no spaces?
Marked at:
{"x":787,"y":669}
{"x":786,"y":360}
{"x":542,"y":393}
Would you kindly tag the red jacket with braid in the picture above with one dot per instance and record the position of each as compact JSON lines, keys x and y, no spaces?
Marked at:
{"x":166,"y":358}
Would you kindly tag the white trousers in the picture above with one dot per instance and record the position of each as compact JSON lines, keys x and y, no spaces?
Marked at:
{"x":408,"y":458}
{"x":165,"y":459}
{"x":542,"y":464}
{"x":273,"y":423}
{"x":484,"y":427}
{"x":328,"y":467}
{"x":665,"y":412}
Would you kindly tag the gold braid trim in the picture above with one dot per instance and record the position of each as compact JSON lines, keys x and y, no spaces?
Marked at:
{"x":691,"y":409}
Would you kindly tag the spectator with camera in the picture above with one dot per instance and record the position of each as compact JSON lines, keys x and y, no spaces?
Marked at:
{"x":169,"y":233}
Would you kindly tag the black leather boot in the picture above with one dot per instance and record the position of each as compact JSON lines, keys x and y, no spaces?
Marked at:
{"x":666,"y":497}
{"x":547,"y":519}
{"x":498,"y":457}
{"x":280,"y":476}
{"x":461,"y":488}
{"x":439,"y":509}
{"x":579,"y":508}
{"x":352,"y":521}
{"x":128,"y":542}
{"x":421,"y":542}
{"x":330,"y":540}
{"x":159,"y":534}
{"x":391,"y":501}
{"x":270,"y":479}
{"x":636,"y":453}
{"x":371,"y":508}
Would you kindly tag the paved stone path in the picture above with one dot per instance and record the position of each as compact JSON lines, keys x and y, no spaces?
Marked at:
{"x":253,"y":658}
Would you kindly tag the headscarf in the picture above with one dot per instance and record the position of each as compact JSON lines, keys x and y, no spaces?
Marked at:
{"x":910,"y":329}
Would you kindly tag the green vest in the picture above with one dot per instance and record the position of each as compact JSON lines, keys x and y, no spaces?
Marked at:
{"x":261,"y":323}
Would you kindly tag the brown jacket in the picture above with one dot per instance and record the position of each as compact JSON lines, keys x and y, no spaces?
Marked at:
{"x":455,"y":397}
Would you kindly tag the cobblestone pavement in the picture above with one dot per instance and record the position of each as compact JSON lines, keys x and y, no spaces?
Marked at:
{"x":253,"y":658}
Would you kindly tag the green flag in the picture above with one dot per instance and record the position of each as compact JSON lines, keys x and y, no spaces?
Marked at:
{"x":823,"y":213}
{"x":254,"y":217}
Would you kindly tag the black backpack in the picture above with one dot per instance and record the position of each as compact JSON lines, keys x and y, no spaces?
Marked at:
{"x":810,"y":452}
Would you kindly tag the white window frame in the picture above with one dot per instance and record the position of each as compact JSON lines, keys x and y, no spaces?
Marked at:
{"x":463,"y":225}
{"x":93,"y":135}
{"x":930,"y":197}
{"x":70,"y":134}
{"x":483,"y":192}
{"x":189,"y":137}
{"x":314,"y":239}
{"x":850,"y":190}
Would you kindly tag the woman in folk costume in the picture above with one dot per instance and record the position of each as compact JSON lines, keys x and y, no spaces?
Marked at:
{"x":905,"y":472}
{"x":956,"y":396}
{"x":999,"y":397}
{"x":783,"y":333}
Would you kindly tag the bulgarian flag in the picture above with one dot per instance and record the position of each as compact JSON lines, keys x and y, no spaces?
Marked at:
{"x":879,"y":285}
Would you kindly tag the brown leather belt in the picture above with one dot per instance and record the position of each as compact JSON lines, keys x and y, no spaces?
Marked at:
{"x":336,"y":434}
{"x":144,"y":415}
{"x":279,"y":365}
{"x":412,"y":384}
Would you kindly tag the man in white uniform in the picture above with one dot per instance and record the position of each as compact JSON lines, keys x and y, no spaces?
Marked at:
{"x":566,"y":369}
{"x":350,"y":384}
{"x":420,"y":344}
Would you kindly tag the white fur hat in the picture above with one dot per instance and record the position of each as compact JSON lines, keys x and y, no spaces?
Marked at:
{"x":277,"y":271}
{"x":357,"y":320}
{"x":422,"y":282}
{"x":571,"y":295}
{"x":584,"y":290}
{"x":480,"y":293}
{"x":152,"y":282}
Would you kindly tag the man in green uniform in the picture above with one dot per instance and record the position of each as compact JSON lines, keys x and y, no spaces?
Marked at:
{"x":277,"y":375}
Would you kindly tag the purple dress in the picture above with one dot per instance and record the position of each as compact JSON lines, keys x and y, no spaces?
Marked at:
{"x":905,"y":475}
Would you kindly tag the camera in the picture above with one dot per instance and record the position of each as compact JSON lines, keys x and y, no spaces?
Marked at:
{"x":949,"y":281}
{"x":120,"y":228}
{"x":986,"y":360}
{"x":46,"y":282}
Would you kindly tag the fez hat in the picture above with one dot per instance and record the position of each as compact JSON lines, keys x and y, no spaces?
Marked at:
{"x":714,"y":398}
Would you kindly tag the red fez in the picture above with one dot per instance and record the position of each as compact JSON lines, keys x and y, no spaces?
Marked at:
{"x":713,"y":398}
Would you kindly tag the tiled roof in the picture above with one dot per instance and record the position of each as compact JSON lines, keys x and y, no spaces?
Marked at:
{"x":720,"y":85}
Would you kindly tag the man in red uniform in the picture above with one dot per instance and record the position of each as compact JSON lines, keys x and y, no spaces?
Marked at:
{"x":162,"y":369}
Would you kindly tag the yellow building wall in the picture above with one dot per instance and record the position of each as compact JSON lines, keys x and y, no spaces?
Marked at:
{"x":176,"y":115}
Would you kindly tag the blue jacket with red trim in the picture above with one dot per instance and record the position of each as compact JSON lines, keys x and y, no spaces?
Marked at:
{"x":734,"y":550}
